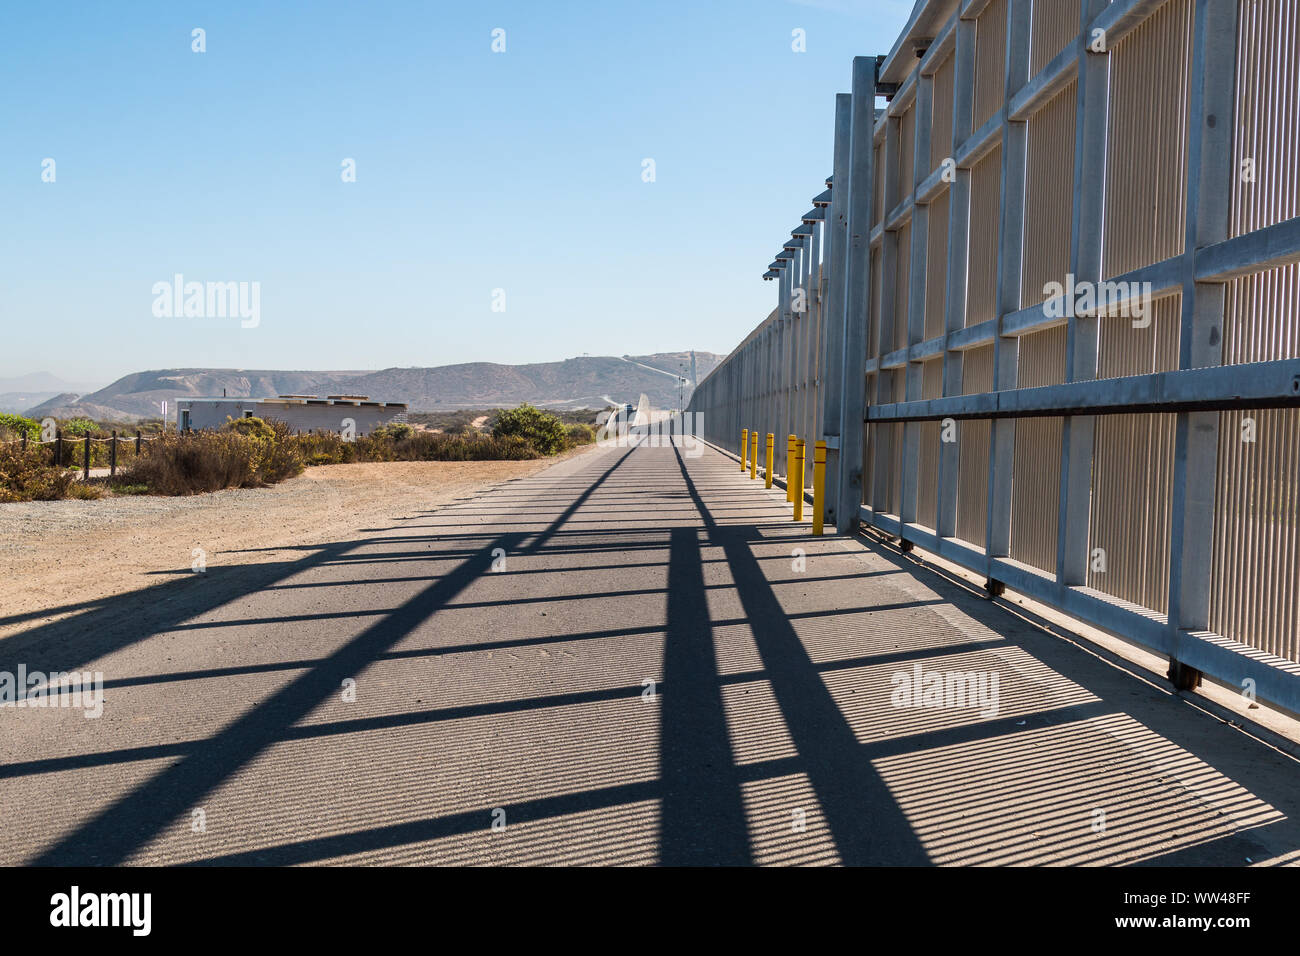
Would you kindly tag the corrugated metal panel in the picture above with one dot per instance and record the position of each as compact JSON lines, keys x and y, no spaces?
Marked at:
{"x":985,"y":221}
{"x":1132,"y":500}
{"x":990,"y":61}
{"x":902,"y":281}
{"x":941,"y":113}
{"x":1262,"y":318}
{"x":1268,"y":115}
{"x":873,"y":309}
{"x":1042,"y":358}
{"x":1133,"y":466}
{"x":1255,"y":582}
{"x":936,"y":269}
{"x":878,"y":203}
{"x":907,"y":151}
{"x":1054,"y":24}
{"x":1036,"y":492}
{"x":1036,"y":472}
{"x":1254,"y":589}
{"x":1146,"y":187}
{"x":893,"y":485}
{"x":1126,"y":349}
{"x":973,"y":452}
{"x":869,"y":441}
{"x":1049,"y":194}
{"x":927,"y":473}
{"x":892,"y":435}
{"x":1261,"y":321}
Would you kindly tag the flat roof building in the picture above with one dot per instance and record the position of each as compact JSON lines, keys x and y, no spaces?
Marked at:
{"x":302,"y":413}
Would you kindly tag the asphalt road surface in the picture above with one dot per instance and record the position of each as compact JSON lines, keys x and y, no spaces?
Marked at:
{"x":634,"y":657}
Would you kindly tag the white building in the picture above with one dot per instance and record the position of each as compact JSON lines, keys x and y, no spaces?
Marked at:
{"x":302,"y":413}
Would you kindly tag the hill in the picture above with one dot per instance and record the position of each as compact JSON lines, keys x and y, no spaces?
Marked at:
{"x":140,"y":395}
{"x":19,"y":393}
{"x":584,"y":382}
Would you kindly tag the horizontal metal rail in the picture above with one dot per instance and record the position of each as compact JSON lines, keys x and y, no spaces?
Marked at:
{"x":1219,"y":388}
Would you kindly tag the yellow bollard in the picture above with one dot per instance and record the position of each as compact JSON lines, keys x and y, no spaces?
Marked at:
{"x":753,"y":454}
{"x":771,"y":447}
{"x":744,"y":447}
{"x":789,"y":467}
{"x":819,"y":485}
{"x":797,"y":472}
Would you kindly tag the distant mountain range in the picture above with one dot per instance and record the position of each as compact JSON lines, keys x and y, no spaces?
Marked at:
{"x":585,"y":382}
{"x":22,"y":392}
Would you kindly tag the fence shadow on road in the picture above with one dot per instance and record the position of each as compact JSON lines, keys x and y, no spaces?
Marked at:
{"x":772,"y":704}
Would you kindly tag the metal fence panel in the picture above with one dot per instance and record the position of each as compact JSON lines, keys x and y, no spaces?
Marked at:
{"x":1084,"y":248}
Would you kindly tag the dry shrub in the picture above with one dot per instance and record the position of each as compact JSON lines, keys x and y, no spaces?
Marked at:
{"x":247,"y":454}
{"x":175,"y":464}
{"x":28,"y":476}
{"x":428,"y":446}
{"x":250,"y":453}
{"x":409,"y":445}
{"x":326,"y":449}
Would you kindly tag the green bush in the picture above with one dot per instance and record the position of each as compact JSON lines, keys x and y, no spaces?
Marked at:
{"x":576,"y":435}
{"x":15,"y":426}
{"x":79,"y":427}
{"x":540,"y":429}
{"x":120,"y":489}
{"x":396,"y":431}
{"x":28,"y":476}
{"x":252,"y":426}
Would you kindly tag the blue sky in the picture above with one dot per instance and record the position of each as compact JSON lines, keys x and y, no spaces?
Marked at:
{"x":475,"y":171}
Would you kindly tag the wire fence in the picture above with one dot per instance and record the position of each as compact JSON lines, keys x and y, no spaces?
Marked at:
{"x":65,"y":448}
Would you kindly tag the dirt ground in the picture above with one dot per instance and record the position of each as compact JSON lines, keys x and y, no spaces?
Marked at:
{"x":59,"y":553}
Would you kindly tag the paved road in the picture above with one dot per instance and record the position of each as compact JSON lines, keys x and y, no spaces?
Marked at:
{"x":664,"y":669}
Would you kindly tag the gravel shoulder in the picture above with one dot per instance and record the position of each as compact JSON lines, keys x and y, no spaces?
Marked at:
{"x":59,"y":553}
